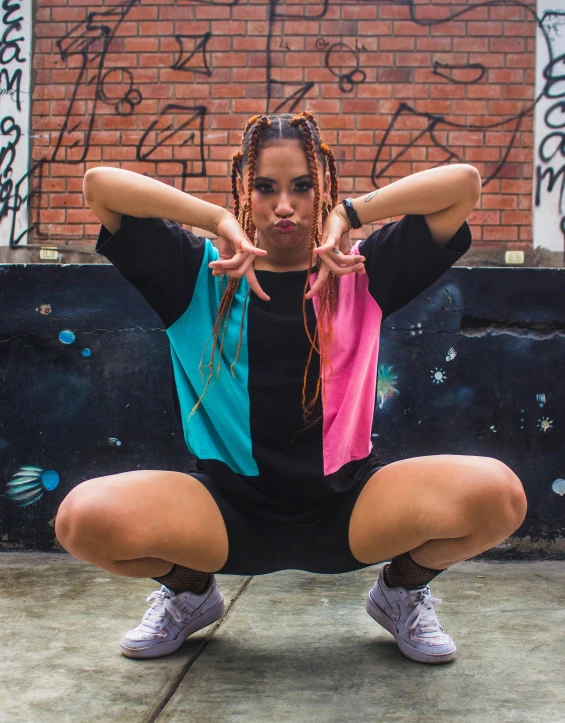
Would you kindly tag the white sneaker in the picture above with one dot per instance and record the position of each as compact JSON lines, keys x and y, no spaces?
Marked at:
{"x":171,"y":619}
{"x":410,"y":616}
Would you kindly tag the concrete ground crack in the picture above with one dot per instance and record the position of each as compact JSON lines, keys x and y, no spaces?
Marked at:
{"x":195,"y":655}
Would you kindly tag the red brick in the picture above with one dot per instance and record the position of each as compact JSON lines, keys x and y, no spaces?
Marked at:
{"x":402,"y":27}
{"x":506,"y":45}
{"x":498,"y":201}
{"x":393,"y":11}
{"x":413,"y":59}
{"x":508,"y":12}
{"x":397,"y":43}
{"x":517,"y":217}
{"x":358,"y":12}
{"x":500,"y":233}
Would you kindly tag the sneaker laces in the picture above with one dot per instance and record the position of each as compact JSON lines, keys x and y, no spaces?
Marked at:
{"x":423,"y":616}
{"x":162,"y":603}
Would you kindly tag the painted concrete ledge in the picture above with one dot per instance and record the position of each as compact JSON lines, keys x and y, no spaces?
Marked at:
{"x":293,"y":647}
{"x":472,"y":366}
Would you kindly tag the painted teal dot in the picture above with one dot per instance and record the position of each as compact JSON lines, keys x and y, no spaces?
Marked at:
{"x":558,"y":486}
{"x":67,"y":337}
{"x":521,"y":411}
{"x":86,"y":352}
{"x":50,"y":479}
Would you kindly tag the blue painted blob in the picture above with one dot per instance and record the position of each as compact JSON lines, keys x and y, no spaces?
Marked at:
{"x":558,"y":486}
{"x":50,"y":479}
{"x":66,"y":336}
{"x":86,"y":352}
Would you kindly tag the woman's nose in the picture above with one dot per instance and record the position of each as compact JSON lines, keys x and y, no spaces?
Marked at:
{"x":283,"y":204}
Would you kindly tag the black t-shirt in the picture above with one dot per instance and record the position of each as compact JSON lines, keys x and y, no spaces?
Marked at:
{"x":250,"y":422}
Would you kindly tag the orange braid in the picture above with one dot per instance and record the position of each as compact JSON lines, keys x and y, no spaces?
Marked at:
{"x":328,"y":293}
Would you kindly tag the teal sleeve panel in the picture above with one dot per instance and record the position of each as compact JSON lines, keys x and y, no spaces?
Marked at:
{"x":220,"y":426}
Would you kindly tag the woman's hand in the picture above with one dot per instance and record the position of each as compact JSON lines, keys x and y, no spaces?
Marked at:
{"x":237,"y":254}
{"x":335,"y":251}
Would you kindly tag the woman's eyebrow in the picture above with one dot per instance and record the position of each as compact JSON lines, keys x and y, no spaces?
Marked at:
{"x":271,"y":180}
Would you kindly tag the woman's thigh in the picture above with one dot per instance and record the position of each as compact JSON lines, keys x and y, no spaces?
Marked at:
{"x":408,"y":502}
{"x":146,"y":513}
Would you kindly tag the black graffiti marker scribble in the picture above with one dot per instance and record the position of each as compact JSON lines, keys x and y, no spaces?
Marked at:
{"x":285,"y":46}
{"x":275,"y":86}
{"x":33,"y":181}
{"x":551,"y":21}
{"x":357,"y":45}
{"x":10,"y":52}
{"x":277,"y":14}
{"x":552,"y":147}
{"x":346,"y":80}
{"x":90,"y":40}
{"x":215,"y":2}
{"x":201,"y":43}
{"x":322,"y":43}
{"x":10,"y":135}
{"x":452,"y":76}
{"x":171,"y":128}
{"x":437,"y":123}
{"x":130,"y":99}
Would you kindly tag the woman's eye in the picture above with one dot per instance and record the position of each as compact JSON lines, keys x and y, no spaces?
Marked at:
{"x":302,"y":187}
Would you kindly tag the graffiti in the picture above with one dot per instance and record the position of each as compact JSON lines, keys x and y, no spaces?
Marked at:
{"x":29,"y":485}
{"x":200,"y":45}
{"x":183,"y":127}
{"x":346,"y":80}
{"x":14,"y":120}
{"x":178,"y":138}
{"x":452,"y":75}
{"x":550,"y":136}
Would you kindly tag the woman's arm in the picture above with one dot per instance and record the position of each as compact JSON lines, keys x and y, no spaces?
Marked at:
{"x":444,"y":195}
{"x":113,"y":192}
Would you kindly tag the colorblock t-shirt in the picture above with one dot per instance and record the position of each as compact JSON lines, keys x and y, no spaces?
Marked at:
{"x":250,"y":422}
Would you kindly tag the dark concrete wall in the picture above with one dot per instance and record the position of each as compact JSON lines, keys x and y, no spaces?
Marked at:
{"x":473,"y":366}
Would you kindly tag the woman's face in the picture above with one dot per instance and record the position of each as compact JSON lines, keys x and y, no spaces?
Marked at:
{"x":283,"y":189}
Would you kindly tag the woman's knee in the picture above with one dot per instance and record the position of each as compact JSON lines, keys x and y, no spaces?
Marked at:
{"x":82,"y":519}
{"x":500,"y":496}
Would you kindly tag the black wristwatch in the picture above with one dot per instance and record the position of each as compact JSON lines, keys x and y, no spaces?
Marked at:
{"x":351,"y":213}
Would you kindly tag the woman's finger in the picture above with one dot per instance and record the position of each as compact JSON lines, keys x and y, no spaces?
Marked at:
{"x":323,"y":274}
{"x":230,"y":264}
{"x":244,"y":269}
{"x":254,"y":284}
{"x":340,"y":258}
{"x":354,"y":264}
{"x":342,"y":264}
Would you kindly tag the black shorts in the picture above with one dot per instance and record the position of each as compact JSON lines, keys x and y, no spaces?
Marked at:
{"x":261,"y":541}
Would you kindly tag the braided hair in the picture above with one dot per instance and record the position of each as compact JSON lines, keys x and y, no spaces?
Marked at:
{"x":262,"y":131}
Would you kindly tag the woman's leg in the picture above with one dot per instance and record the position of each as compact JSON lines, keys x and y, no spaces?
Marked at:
{"x":139,"y":523}
{"x":440,"y":508}
{"x":427,"y":513}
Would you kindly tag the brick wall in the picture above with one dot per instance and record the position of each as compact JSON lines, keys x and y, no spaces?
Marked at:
{"x":396,"y":88}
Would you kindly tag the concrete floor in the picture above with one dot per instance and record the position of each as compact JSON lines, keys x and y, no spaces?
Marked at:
{"x":293,"y":646}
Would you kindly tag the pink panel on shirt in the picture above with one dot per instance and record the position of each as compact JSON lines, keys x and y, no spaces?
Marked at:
{"x":350,"y":393}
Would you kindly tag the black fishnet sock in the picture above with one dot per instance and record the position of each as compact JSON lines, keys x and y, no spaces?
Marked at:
{"x":404,"y":572}
{"x":184,"y":579}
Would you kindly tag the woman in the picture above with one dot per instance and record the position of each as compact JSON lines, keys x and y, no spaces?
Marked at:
{"x":286,"y":477}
